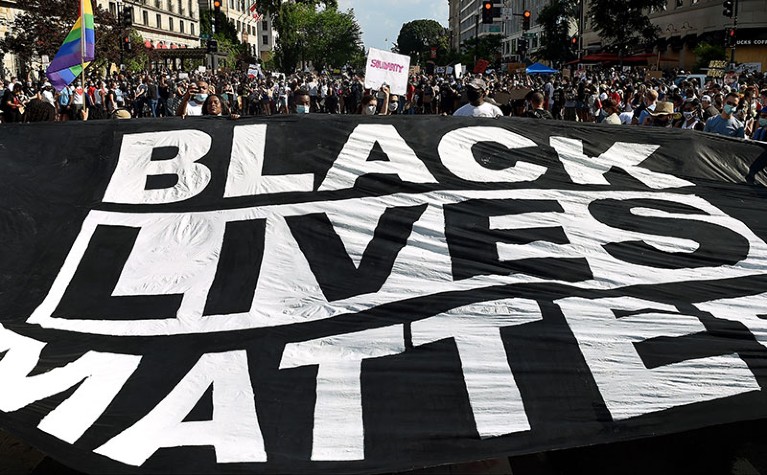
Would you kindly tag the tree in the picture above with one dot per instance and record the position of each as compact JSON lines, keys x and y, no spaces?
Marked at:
{"x":417,"y":37}
{"x":623,"y":24}
{"x":226,"y":36}
{"x":706,"y":52}
{"x":488,"y":47}
{"x":323,"y":36}
{"x":272,"y":7}
{"x":556,"y":19}
{"x":42,"y":25}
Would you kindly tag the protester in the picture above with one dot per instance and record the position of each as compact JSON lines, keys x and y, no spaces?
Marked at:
{"x":726,"y":123}
{"x":476,"y":90}
{"x":537,"y":111}
{"x":610,"y":107}
{"x":192,"y":101}
{"x":216,"y":106}
{"x":661,"y":115}
{"x":760,"y":133}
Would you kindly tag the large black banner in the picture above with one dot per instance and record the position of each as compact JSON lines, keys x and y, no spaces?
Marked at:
{"x":338,"y":295}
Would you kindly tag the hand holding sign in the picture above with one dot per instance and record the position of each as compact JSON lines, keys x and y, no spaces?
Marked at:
{"x":387,"y":68}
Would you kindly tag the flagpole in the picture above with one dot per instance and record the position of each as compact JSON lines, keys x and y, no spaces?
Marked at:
{"x":82,"y":52}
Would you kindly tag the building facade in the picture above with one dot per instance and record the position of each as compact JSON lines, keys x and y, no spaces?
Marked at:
{"x":164,"y":24}
{"x":256,"y":33}
{"x":684,"y":24}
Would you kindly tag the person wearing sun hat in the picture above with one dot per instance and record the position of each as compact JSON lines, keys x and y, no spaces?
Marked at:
{"x":662,"y":115}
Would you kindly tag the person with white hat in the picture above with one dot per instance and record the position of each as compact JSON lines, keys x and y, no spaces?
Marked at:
{"x":47,"y":94}
{"x":476,"y":90}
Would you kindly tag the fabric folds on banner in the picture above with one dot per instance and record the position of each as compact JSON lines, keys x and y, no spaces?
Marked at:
{"x":373,"y":294}
{"x":78,"y":49}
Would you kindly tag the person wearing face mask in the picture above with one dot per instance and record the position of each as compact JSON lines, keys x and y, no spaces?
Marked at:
{"x":476,"y":90}
{"x":303,"y":101}
{"x":369,"y":104}
{"x":192,"y":101}
{"x":394,"y":105}
{"x":690,"y":116}
{"x":760,"y":134}
{"x":726,"y":123}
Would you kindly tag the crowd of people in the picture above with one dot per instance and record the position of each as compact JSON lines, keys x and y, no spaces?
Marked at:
{"x":607,"y":95}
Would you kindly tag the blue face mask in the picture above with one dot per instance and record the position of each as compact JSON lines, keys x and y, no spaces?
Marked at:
{"x":762,"y":122}
{"x":302,"y":109}
{"x":728,"y":109}
{"x":200,"y":98}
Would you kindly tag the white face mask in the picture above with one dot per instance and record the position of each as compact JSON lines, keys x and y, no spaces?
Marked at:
{"x":369,"y":110}
{"x":302,"y":109}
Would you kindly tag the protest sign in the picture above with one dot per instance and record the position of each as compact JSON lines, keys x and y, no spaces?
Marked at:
{"x":384,"y":67}
{"x":364,"y":295}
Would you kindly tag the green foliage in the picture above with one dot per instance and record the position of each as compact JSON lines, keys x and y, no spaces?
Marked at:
{"x":139,"y":57}
{"x":556,"y":19}
{"x":416,"y":38}
{"x":706,"y":52}
{"x":323,"y":36}
{"x":488,"y":47}
{"x":42,"y":25}
{"x":624,"y":24}
{"x":272,"y":7}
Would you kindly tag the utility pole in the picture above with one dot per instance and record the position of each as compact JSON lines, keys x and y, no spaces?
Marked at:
{"x":735,"y":40}
{"x":476,"y":38}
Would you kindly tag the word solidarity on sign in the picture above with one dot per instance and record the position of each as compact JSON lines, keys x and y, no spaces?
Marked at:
{"x":322,"y":295}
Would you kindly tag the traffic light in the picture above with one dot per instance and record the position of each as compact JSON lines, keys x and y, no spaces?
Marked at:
{"x":487,"y":12}
{"x":216,"y":14}
{"x":526,"y":19}
{"x":729,"y":38}
{"x":574,"y":42}
{"x":212,"y":46}
{"x":127,"y":16}
{"x":126,"y":43}
{"x":729,"y":8}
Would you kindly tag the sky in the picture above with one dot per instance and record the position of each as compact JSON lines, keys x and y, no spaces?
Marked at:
{"x":381,"y":20}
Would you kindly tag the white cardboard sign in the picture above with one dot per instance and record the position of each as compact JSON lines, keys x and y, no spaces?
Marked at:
{"x":385,"y":67}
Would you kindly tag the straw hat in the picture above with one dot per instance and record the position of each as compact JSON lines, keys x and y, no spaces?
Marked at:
{"x":663,"y":108}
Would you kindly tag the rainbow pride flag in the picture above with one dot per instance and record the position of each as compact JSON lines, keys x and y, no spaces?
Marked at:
{"x":78,"y":49}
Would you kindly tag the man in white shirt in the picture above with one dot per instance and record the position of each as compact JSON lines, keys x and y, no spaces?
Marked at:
{"x":476,"y":90}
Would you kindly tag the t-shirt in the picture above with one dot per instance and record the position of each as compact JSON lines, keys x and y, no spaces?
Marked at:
{"x":484,"y":110}
{"x":731,"y":127}
{"x":612,"y":119}
{"x":64,"y":96}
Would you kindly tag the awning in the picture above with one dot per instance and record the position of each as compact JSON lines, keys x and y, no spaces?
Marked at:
{"x":538,"y":68}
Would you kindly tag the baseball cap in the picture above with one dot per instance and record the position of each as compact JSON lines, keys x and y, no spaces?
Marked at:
{"x":477,"y":83}
{"x":706,"y":98}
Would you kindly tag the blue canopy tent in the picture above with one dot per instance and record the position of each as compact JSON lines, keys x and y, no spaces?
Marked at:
{"x":538,"y":68}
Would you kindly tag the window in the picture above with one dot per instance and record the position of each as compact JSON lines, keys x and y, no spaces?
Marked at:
{"x":239,"y":26}
{"x":679,"y":3}
{"x":113,"y":8}
{"x":170,"y":24}
{"x":265,"y":25}
{"x":159,"y":20}
{"x":145,"y":17}
{"x":265,"y":39}
{"x":190,"y":9}
{"x":181,"y":26}
{"x":191,"y":28}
